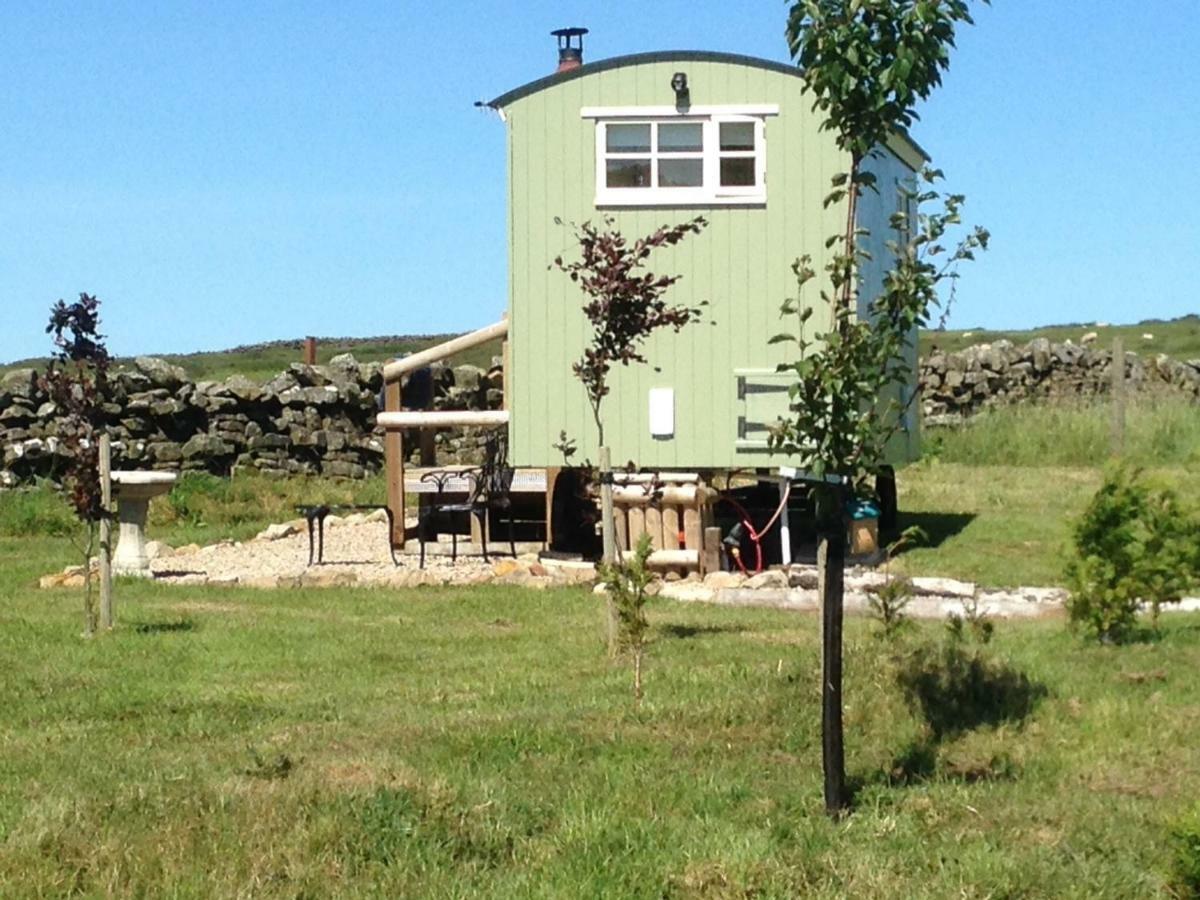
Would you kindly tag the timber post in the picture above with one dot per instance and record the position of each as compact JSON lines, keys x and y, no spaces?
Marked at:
{"x":106,"y":531}
{"x":1118,"y":396}
{"x":831,"y":564}
{"x":393,"y":446}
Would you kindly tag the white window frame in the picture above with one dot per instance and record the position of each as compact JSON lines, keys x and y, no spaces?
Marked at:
{"x":711,"y":193}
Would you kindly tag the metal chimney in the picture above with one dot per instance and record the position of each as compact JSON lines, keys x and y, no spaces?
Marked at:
{"x":570,"y":48}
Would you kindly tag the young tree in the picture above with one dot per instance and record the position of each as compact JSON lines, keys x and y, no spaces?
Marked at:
{"x":76,"y":381}
{"x":867,"y":64}
{"x":625,"y":305}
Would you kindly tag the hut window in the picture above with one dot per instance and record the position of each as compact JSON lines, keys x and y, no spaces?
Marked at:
{"x":679,"y":160}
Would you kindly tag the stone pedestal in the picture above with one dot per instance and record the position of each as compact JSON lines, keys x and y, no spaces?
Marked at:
{"x":134,"y":491}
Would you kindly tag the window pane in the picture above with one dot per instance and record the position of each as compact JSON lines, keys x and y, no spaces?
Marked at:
{"x":680,"y":172}
{"x":737,"y":135}
{"x":680,"y":137}
{"x":737,"y":172}
{"x":628,"y":173}
{"x":628,"y":138}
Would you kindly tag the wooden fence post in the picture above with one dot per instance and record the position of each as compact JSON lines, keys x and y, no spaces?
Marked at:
{"x":310,"y":351}
{"x":1118,"y":397}
{"x":831,"y":562}
{"x":106,"y":531}
{"x":393,"y":441}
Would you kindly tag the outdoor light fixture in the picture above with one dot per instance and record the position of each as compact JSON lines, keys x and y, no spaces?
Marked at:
{"x":680,"y":86}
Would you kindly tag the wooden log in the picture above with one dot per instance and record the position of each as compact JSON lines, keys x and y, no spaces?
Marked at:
{"x":654,"y":527}
{"x":310,"y":351}
{"x":670,"y":527}
{"x":710,"y":559}
{"x":647,"y":477}
{"x":693,"y":529}
{"x":106,"y":531}
{"x":449,"y":418}
{"x":633,"y":495}
{"x":637,"y":525}
{"x":393,"y":452}
{"x":620,"y":528}
{"x":397,"y":369}
{"x":668,"y":559}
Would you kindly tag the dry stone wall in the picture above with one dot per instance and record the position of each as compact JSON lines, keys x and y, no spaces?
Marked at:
{"x":957,"y":385}
{"x":321,"y":419}
{"x":306,"y":420}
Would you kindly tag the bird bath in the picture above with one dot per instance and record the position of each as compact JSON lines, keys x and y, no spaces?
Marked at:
{"x":134,"y":491}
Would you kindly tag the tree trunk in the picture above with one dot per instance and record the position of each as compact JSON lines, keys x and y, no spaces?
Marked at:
{"x":831,"y":560}
{"x":608,"y":536}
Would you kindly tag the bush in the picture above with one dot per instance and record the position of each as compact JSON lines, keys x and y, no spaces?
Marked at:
{"x":1134,"y":544}
{"x":39,"y":511}
{"x":1185,"y":839}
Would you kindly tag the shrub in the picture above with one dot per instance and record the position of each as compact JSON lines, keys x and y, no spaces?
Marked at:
{"x":626,"y":583}
{"x":1134,"y":544}
{"x":1185,"y":840}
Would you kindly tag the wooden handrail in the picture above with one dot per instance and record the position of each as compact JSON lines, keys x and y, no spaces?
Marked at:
{"x":397,"y":369}
{"x":449,"y":418}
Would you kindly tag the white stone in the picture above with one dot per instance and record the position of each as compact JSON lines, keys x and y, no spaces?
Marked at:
{"x":943,"y":587}
{"x":684,"y":591}
{"x":354,"y":519}
{"x":718,"y":580}
{"x":376,"y":515}
{"x":277,"y":531}
{"x":772,"y":578}
{"x":158,"y":550}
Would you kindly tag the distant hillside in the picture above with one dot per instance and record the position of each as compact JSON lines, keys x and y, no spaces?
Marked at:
{"x":1179,"y":338}
{"x":263,"y":361}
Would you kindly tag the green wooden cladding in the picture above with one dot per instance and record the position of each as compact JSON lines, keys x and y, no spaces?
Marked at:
{"x":740,"y":266}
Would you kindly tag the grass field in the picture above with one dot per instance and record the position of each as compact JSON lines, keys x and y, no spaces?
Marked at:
{"x":476,"y":742}
{"x":453,"y":743}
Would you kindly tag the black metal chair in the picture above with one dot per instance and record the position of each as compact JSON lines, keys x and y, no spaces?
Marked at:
{"x":488,"y":490}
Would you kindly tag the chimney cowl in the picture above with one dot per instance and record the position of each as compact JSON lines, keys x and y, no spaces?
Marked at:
{"x":570,"y":48}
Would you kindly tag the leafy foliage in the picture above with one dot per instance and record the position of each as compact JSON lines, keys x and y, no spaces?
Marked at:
{"x":887,"y":605}
{"x":626,"y":583}
{"x":625,"y":301}
{"x":1185,"y":838}
{"x":869,"y":62}
{"x":1134,"y":544}
{"x":76,"y":381}
{"x":841,"y":415}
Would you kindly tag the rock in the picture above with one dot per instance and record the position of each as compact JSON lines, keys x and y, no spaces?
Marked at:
{"x":943,"y":587}
{"x":187,"y":550}
{"x":158,"y":550}
{"x":717,"y":580}
{"x":772,"y":578}
{"x":803,"y":577}
{"x":1090,"y":338}
{"x":503,"y":568}
{"x":354,"y":519}
{"x":343,"y":361}
{"x":223,"y":581}
{"x":277,"y":531}
{"x":538,"y":570}
{"x":376,"y":515}
{"x":687,"y":592}
{"x":160,"y":372}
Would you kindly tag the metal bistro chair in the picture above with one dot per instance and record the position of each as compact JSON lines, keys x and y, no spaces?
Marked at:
{"x":489,"y":489}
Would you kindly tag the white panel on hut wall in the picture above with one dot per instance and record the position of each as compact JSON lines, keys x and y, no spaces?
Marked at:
{"x":662,"y":412}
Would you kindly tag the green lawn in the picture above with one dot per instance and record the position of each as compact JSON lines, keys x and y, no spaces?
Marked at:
{"x":453,"y":743}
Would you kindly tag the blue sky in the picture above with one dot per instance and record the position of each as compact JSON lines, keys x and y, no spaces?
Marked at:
{"x":222,"y":173}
